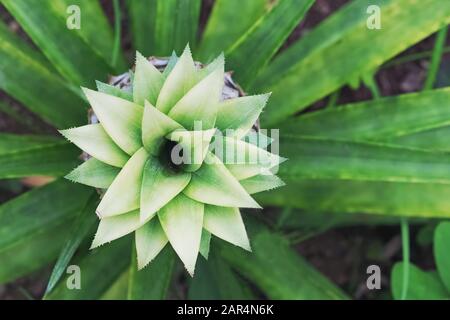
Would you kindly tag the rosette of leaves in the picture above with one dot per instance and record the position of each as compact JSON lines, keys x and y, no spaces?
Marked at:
{"x":173,"y":160}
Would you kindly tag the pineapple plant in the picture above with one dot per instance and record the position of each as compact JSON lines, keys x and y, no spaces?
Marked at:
{"x":151,"y":150}
{"x":179,"y":191}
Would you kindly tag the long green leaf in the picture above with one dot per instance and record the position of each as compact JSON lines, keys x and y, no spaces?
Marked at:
{"x":265,"y":37}
{"x":142,"y":15}
{"x":312,"y":158}
{"x":215,"y":280}
{"x":343,"y":49}
{"x":95,"y":28}
{"x":22,"y":156}
{"x":34,"y":225}
{"x":66,"y":49}
{"x":339,"y":176}
{"x":85,"y":221}
{"x":28,"y":77}
{"x":278,"y":270}
{"x":228,"y":21}
{"x":388,"y":119}
{"x":176,"y":24}
{"x":99,"y":268}
{"x":152,"y":282}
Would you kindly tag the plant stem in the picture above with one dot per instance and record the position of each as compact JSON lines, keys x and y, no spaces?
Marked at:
{"x":436,"y":59}
{"x":117,"y":32}
{"x":372,"y":85}
{"x":405,"y":248}
{"x":412,"y":57}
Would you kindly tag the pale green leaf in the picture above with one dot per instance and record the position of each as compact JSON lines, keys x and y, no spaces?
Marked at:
{"x":155,"y":125}
{"x":113,"y":91}
{"x":262,"y":182}
{"x":124,"y":193}
{"x":94,"y":140}
{"x":120,"y":118}
{"x":94,"y":173}
{"x":240,"y":114}
{"x":150,"y":239}
{"x":182,"y":221}
{"x":245,"y":160}
{"x":194,"y":145}
{"x":179,"y":81}
{"x":159,"y":186}
{"x":227,"y":224}
{"x":214,"y":184}
{"x":147,"y":81}
{"x":200,"y":103}
{"x":112,"y":228}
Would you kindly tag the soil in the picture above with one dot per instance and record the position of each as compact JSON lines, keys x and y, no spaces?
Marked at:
{"x":342,"y":254}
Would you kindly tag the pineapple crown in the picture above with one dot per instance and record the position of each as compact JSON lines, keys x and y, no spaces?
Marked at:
{"x":173,"y":159}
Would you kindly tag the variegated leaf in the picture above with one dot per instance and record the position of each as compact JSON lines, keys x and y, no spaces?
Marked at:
{"x":182,"y":221}
{"x":124,"y":193}
{"x":94,"y":140}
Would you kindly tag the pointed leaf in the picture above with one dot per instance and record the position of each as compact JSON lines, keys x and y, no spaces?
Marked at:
{"x":155,"y":125}
{"x":170,"y":65}
{"x":195,"y":145}
{"x":278,"y":270}
{"x":245,"y":160}
{"x":265,"y":37}
{"x":153,"y":282}
{"x":205,"y":242}
{"x":201,"y":102}
{"x":94,"y":140}
{"x":150,"y":240}
{"x":224,"y":26}
{"x":33,"y":226}
{"x":74,"y":58}
{"x":120,"y":118}
{"x":159,"y":186}
{"x":94,"y":173}
{"x":240,"y":114}
{"x":227,"y":224}
{"x":214,"y":184}
{"x":178,"y":83}
{"x":112,"y":228}
{"x":124,"y":193}
{"x":182,"y":221}
{"x":26,"y":155}
{"x":29,"y":78}
{"x":100,"y":269}
{"x":80,"y":229}
{"x":262,"y":182}
{"x":290,"y":75}
{"x":147,"y":81}
{"x":113,"y":91}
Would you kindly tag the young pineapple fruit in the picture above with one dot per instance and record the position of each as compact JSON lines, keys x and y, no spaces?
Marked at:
{"x":169,"y":150}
